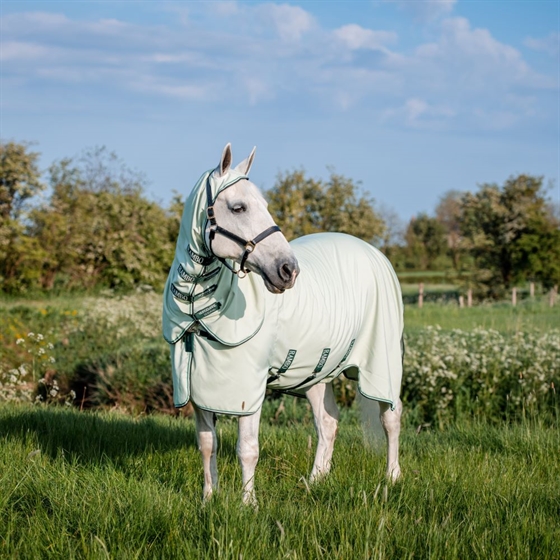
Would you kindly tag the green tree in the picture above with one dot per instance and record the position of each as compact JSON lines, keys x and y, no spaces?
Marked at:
{"x":448,"y":214}
{"x":19,"y":178}
{"x":425,"y":241}
{"x":510,"y":233}
{"x":99,"y":228}
{"x":301,"y":206}
{"x":19,"y":182}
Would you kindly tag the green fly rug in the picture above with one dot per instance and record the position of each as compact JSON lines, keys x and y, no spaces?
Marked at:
{"x":231,"y":338}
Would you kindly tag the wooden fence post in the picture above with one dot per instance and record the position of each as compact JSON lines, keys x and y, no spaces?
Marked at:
{"x":532,"y":290}
{"x":421,"y":294}
{"x":514,"y":296}
{"x":469,"y":297}
{"x":552,"y":296}
{"x":461,"y":301}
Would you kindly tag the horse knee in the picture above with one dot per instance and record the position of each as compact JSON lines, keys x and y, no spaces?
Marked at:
{"x":248,"y":452}
{"x":206,"y":444}
{"x":390,"y":419}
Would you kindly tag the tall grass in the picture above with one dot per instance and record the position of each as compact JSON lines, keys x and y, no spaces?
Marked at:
{"x":98,"y":485}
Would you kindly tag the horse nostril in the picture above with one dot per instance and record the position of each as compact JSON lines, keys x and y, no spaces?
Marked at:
{"x":285,"y":272}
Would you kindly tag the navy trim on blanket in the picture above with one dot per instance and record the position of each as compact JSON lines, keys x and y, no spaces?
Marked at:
{"x":189,"y":342}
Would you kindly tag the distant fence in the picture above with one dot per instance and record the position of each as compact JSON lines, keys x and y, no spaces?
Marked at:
{"x":465,"y":299}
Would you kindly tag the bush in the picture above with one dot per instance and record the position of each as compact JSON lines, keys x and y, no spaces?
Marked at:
{"x":480,"y":372}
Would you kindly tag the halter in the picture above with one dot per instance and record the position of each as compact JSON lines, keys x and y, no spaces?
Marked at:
{"x":249,"y":245}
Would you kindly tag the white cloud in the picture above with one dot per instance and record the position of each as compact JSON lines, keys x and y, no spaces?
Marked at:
{"x":426,"y":10}
{"x":356,"y":37}
{"x":549,"y":44}
{"x":177,"y":90}
{"x":475,"y":59}
{"x":287,"y":55}
{"x":416,"y":113}
{"x":257,"y":89}
{"x":290,"y":22}
{"x":225,"y":9}
{"x":19,"y":50}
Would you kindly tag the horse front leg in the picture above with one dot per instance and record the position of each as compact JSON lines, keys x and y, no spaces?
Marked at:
{"x":391,"y":422}
{"x":248,"y":453}
{"x":207,"y":445}
{"x":325,"y":414}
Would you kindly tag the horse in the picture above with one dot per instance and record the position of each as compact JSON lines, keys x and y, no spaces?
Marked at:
{"x":244,"y":310}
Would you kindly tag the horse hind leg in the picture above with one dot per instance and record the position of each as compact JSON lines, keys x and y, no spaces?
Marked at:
{"x":325,"y":414}
{"x":391,"y":422}
{"x":207,"y":445}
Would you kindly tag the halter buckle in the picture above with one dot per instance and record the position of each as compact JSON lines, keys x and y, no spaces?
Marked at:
{"x":210,"y":213}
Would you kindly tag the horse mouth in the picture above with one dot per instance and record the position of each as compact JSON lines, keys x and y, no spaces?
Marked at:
{"x":270,"y":286}
{"x":278,"y":287}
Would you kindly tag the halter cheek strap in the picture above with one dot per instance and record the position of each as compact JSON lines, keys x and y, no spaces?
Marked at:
{"x":248,"y":244}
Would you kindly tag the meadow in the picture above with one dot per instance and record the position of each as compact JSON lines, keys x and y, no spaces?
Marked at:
{"x":94,"y":463}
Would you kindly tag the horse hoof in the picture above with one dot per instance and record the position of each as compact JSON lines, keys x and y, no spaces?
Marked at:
{"x":394,"y":474}
{"x":250,"y":500}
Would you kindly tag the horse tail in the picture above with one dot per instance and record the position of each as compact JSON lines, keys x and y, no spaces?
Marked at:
{"x":374,"y":436}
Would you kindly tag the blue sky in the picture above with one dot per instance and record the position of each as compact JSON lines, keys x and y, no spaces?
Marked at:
{"x":412,"y":98}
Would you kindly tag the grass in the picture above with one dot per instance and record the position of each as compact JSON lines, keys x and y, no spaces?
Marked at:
{"x":503,"y":317}
{"x":106,"y":485}
{"x":100,"y":485}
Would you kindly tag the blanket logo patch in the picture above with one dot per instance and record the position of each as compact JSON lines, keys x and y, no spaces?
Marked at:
{"x":322,"y":361}
{"x":207,"y":311}
{"x":288,"y":361}
{"x":345,"y":357}
{"x":199,"y":259}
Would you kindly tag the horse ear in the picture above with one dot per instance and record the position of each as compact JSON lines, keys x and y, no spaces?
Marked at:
{"x":246,"y":164}
{"x":225,"y":162}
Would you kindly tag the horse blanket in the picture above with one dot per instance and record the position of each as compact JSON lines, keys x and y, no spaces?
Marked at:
{"x":231,"y":339}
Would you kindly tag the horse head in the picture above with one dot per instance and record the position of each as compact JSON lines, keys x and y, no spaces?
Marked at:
{"x":240,"y":228}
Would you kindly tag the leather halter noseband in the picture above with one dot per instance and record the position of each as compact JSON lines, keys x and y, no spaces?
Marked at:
{"x":249,"y":245}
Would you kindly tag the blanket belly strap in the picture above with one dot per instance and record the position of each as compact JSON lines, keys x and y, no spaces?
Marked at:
{"x":318,"y":368}
{"x":285,"y":366}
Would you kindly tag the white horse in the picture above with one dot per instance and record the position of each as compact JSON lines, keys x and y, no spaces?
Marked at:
{"x":323,"y":305}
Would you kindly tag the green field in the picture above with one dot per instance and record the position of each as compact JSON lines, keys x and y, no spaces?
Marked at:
{"x":503,"y":317}
{"x":479,"y":481}
{"x":82,"y":485}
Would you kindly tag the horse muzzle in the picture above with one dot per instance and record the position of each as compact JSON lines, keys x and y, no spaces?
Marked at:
{"x":282,"y":275}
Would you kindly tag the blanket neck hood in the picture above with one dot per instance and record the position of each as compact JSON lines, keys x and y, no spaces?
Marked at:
{"x":200,"y":292}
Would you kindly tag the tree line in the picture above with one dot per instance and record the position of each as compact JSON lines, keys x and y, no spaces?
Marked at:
{"x":97,"y":227}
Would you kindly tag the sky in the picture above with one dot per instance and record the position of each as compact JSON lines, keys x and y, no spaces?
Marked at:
{"x":409,"y":98}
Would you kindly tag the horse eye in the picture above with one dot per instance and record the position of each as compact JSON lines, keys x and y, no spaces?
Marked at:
{"x":239,"y":209}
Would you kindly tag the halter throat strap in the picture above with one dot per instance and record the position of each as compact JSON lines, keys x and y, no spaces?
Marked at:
{"x":248,"y":244}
